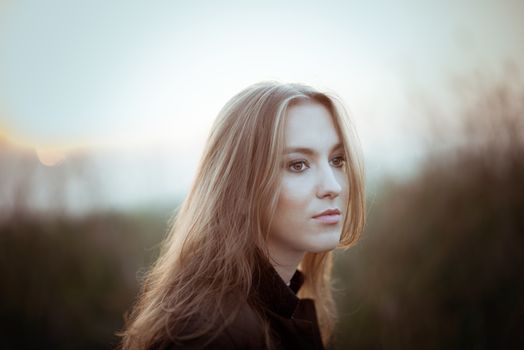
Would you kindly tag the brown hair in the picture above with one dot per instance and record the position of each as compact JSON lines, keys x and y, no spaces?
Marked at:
{"x":222,"y":225}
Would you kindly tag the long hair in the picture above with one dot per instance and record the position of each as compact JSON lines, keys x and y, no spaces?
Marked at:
{"x":221,"y":228}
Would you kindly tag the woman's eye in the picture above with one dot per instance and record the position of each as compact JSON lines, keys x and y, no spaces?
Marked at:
{"x":298,"y":166}
{"x":338,"y":161}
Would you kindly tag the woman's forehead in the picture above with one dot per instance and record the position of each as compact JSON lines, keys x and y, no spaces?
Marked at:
{"x":311,"y":126}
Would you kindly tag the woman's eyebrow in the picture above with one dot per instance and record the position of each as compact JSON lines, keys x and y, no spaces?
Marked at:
{"x":309,"y":151}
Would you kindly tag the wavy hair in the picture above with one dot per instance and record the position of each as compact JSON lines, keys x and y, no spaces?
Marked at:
{"x":220,"y":231}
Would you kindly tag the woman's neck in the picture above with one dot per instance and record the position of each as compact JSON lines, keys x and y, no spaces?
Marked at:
{"x":285,"y":272}
{"x":285,"y":263}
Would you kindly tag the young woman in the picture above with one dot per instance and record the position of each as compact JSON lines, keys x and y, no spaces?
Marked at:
{"x":247,"y":262}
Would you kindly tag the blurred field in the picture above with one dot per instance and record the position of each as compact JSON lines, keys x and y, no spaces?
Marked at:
{"x":440,"y":266}
{"x":68,"y":281}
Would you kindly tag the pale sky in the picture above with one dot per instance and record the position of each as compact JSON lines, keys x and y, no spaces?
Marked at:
{"x":132,"y":76}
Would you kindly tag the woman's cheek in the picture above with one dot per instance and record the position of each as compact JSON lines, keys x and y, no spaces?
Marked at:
{"x":296,"y":189}
{"x":344,"y":194}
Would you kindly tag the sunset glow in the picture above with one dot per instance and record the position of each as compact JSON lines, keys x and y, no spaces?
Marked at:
{"x":50,"y":157}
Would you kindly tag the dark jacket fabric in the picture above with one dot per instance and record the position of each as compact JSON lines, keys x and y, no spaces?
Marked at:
{"x":293,"y":321}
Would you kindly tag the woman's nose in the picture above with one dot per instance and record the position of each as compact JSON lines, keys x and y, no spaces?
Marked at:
{"x":328,"y":185}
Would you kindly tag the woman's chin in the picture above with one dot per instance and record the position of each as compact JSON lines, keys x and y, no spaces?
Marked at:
{"x":324,"y":245}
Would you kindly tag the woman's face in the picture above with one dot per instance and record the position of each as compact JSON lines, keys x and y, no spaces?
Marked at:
{"x":313,"y":181}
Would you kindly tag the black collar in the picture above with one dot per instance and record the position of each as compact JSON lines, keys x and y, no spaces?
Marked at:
{"x":273,"y":293}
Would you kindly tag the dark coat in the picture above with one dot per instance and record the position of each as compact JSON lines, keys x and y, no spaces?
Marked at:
{"x":293,"y":321}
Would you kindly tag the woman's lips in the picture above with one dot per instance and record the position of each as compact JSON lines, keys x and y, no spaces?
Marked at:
{"x":328,"y":219}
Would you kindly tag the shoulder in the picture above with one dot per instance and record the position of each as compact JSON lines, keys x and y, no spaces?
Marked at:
{"x":246,"y":328}
{"x":244,"y":331}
